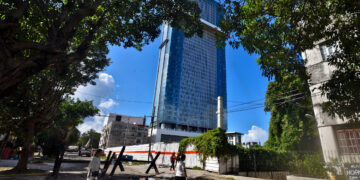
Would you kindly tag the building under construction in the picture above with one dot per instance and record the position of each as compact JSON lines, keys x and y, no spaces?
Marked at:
{"x":120,"y":130}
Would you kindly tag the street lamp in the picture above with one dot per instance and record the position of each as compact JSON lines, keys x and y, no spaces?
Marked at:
{"x":309,"y":116}
{"x":321,"y":121}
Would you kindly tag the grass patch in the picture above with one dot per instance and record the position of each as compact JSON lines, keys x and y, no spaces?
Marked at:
{"x":230,"y":178}
{"x":28,"y":172}
{"x":42,"y":161}
{"x":134,"y":163}
{"x":196,"y":168}
{"x":37,"y":161}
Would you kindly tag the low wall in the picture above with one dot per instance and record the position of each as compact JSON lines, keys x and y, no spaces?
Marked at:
{"x":301,"y":178}
{"x":140,"y":153}
{"x":277,"y":175}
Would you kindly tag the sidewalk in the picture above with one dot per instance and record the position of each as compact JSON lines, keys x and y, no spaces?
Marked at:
{"x":139,"y":171}
{"x":76,"y":171}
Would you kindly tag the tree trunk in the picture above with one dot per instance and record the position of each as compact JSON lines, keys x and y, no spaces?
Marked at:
{"x":3,"y":144}
{"x":204,"y":162}
{"x":57,"y":164}
{"x":24,"y":154}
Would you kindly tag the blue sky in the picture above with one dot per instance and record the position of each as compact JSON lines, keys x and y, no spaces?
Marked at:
{"x":127,"y":87}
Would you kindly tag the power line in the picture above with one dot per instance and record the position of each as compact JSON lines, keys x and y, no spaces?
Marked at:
{"x":252,"y":101}
{"x":291,"y":101}
{"x":118,"y":99}
{"x":250,"y":107}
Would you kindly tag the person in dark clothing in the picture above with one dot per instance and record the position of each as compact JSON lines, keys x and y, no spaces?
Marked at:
{"x":172,"y":160}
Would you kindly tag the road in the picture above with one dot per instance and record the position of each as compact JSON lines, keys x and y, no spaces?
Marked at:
{"x":74,"y":156}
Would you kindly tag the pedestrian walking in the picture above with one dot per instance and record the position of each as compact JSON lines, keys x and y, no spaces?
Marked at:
{"x":94,"y":166}
{"x":180,"y":169}
{"x":172,"y":160}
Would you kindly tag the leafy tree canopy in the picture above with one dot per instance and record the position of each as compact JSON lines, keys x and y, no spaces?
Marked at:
{"x":289,"y":129}
{"x":30,"y":108}
{"x":63,"y":131}
{"x":37,"y":34}
{"x":90,"y":134}
{"x":280,"y":30}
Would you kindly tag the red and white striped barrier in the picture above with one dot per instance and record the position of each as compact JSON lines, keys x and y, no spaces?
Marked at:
{"x":140,"y":153}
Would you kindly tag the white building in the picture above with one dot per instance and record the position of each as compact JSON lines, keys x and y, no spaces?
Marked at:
{"x":338,"y":139}
{"x":122,"y":130}
{"x":234,"y":138}
{"x":168,"y":135}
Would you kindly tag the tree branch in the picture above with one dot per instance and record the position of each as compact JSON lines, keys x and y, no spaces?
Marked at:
{"x":28,"y":45}
{"x":7,"y":25}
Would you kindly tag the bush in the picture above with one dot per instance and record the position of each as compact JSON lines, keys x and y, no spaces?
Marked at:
{"x":212,"y":143}
{"x":309,"y":165}
{"x":196,"y":168}
{"x":265,"y":159}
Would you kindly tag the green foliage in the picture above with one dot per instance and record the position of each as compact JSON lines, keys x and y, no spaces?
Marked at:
{"x":40,"y":34}
{"x":266,"y":159}
{"x":280,"y":30}
{"x":63,"y":131}
{"x":310,"y":165}
{"x":212,"y":143}
{"x":95,"y":138}
{"x":289,"y":100}
{"x":196,"y":168}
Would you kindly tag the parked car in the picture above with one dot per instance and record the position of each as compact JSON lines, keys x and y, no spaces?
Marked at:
{"x":85,"y":152}
{"x":72,"y":148}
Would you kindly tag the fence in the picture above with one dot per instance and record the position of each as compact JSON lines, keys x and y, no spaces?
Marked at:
{"x":140,"y":153}
{"x":256,"y":162}
{"x":264,"y":163}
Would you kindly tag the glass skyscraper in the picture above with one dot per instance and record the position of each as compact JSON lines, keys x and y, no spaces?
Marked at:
{"x":191,"y":75}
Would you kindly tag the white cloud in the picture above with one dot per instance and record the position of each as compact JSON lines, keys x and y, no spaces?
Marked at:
{"x":107,"y":104}
{"x":255,"y":134}
{"x":103,"y":88}
{"x":95,"y":123}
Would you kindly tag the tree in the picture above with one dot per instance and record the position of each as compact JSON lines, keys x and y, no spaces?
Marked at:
{"x":93,"y":136}
{"x":63,"y":131}
{"x":279,"y":30}
{"x":289,"y":101}
{"x":30,"y":108}
{"x":36,"y":35}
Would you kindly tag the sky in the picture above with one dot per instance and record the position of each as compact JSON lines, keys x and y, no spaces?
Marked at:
{"x":127,"y":87}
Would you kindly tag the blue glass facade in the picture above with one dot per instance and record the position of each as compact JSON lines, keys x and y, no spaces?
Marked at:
{"x":191,"y":75}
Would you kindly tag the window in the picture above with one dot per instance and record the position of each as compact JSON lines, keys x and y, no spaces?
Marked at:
{"x":326,"y":51}
{"x":118,"y":118}
{"x":349,"y":141}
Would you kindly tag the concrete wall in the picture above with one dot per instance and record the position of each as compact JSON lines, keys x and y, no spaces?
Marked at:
{"x":140,"y":152}
{"x":328,"y":143}
{"x":276,"y":175}
{"x":158,"y":132}
{"x":320,"y":71}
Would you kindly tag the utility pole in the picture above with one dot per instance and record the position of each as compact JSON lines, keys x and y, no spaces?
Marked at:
{"x":220,"y":112}
{"x":151,"y":132}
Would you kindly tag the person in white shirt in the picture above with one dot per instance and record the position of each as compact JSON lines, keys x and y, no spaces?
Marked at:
{"x":94,"y":165}
{"x":180,"y":168}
